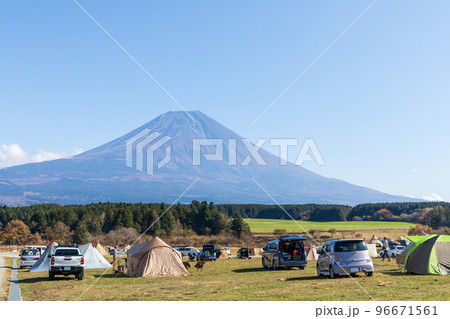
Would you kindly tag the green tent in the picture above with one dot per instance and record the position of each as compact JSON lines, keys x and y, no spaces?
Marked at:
{"x":429,"y":255}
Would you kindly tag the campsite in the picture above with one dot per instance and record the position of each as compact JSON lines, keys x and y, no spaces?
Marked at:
{"x":237,"y":279}
{"x":156,"y":271}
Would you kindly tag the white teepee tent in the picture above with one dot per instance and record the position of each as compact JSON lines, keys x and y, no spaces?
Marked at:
{"x":92,"y":258}
{"x":43,"y":264}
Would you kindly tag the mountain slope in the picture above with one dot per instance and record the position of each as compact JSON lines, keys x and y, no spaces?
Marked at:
{"x":101,"y":174}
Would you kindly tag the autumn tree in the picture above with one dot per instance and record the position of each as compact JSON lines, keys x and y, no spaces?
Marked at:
{"x":16,"y":233}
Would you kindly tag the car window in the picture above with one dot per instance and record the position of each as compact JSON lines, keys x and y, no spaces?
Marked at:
{"x":67,"y":252}
{"x":350,"y":246}
{"x":30,"y":252}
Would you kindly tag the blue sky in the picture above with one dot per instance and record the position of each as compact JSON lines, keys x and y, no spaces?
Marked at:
{"x":376,"y":104}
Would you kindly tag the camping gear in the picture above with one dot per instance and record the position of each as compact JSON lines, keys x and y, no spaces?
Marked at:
{"x":372,"y":250}
{"x":222,"y":254}
{"x":101,"y":249}
{"x":207,"y":253}
{"x":375,"y":241}
{"x":256,"y":251}
{"x":429,"y":255}
{"x":311,"y":253}
{"x":243,"y":253}
{"x":155,"y":258}
{"x":92,"y":257}
{"x":43,"y":264}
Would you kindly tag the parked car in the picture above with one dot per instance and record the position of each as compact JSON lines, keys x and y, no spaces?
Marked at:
{"x":207,"y":253}
{"x":119,"y":252}
{"x":28,"y":257}
{"x":13,"y":250}
{"x":243,"y":253}
{"x":344,"y":256}
{"x":393,"y":251}
{"x":66,"y":261}
{"x":287,"y":251}
{"x":185,"y":251}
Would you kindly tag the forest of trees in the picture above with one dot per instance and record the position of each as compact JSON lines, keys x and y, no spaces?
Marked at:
{"x":78,"y":222}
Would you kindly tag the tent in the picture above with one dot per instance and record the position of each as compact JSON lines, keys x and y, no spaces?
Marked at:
{"x":92,"y":257}
{"x":311,"y":253}
{"x":372,"y":250}
{"x":429,"y":255}
{"x":375,"y":241}
{"x":256,"y":251}
{"x":401,"y":258}
{"x":223,"y":254}
{"x":155,"y":258}
{"x":101,"y":249}
{"x":43,"y":264}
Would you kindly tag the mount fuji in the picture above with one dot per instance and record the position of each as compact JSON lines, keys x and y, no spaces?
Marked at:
{"x":102,"y":174}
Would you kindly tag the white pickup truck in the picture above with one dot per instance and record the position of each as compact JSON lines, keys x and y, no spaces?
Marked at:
{"x":67,"y":261}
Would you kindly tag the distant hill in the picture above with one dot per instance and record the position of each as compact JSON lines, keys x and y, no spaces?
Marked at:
{"x":101,"y":174}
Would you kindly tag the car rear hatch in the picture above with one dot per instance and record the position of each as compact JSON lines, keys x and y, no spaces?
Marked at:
{"x":292,"y":250}
{"x":351,"y":251}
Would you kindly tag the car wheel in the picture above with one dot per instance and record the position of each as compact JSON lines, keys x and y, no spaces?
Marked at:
{"x":274,"y":267}
{"x":332,"y":274}
{"x":80,"y":276}
{"x":369,"y":273}
{"x":319,"y":274}
{"x":381,"y":254}
{"x":393,"y":255}
{"x":51,"y":276}
{"x":263,"y":262}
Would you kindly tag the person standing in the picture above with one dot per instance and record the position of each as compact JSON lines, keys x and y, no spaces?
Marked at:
{"x":115,"y":259}
{"x":385,"y":249}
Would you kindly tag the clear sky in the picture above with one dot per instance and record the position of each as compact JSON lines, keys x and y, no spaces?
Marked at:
{"x":377,"y":103}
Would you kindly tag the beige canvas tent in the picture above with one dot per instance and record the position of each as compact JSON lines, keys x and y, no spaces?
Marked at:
{"x":100,"y":249}
{"x":223,"y":254}
{"x":311,"y":253}
{"x":155,"y":258}
{"x":372,"y":250}
{"x":256,"y":251}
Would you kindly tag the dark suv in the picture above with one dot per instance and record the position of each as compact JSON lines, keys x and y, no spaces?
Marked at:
{"x":287,"y":251}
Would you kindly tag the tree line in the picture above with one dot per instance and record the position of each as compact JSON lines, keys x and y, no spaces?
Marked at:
{"x":79,"y":222}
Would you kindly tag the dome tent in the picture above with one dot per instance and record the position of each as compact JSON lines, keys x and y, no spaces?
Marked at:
{"x":92,"y":257}
{"x":155,"y":258}
{"x":43,"y":264}
{"x":429,"y":255}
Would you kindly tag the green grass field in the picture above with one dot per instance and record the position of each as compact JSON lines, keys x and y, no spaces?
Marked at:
{"x":268,"y":225}
{"x":239,"y":280}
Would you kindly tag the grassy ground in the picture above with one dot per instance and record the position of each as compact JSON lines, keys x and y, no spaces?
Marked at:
{"x":268,"y":225}
{"x":239,"y":280}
